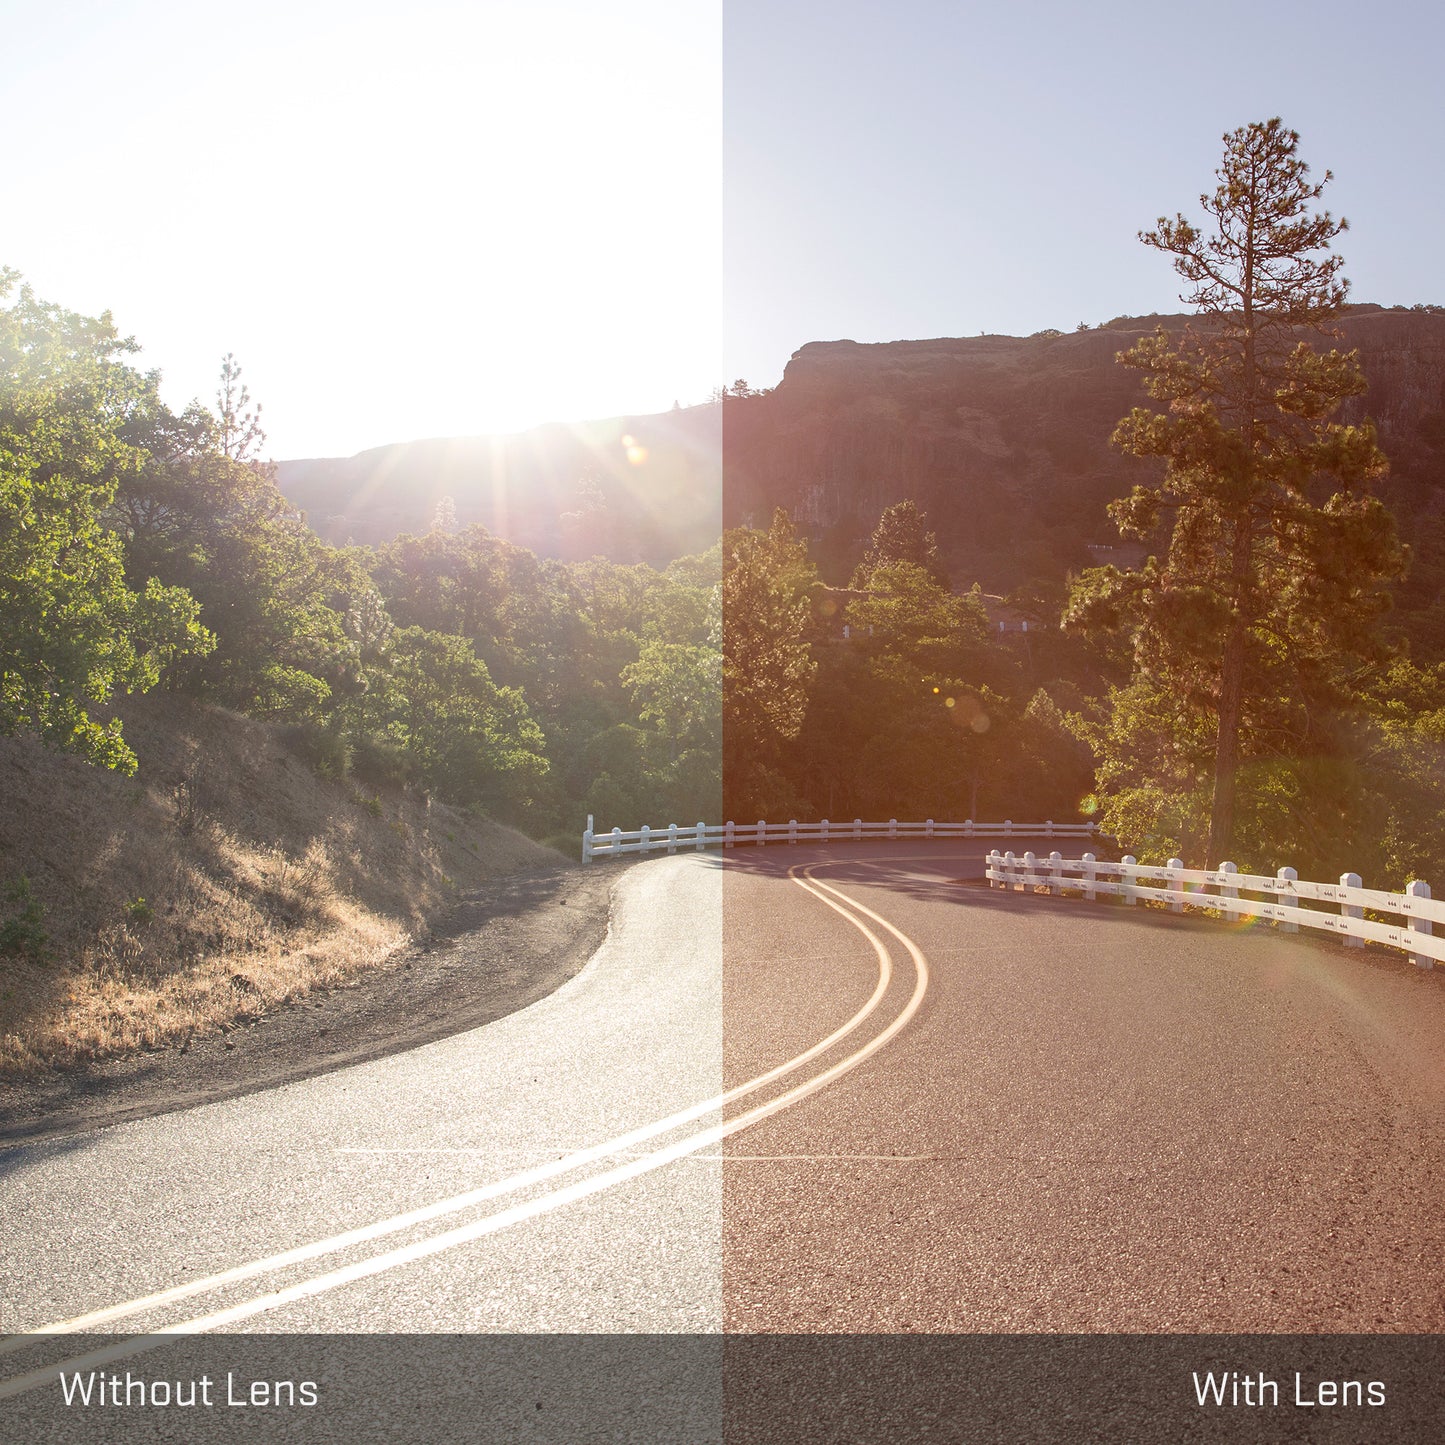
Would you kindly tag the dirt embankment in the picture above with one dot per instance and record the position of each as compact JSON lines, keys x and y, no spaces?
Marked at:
{"x":223,"y":881}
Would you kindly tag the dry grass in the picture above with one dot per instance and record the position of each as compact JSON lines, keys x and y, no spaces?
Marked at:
{"x":223,"y":878}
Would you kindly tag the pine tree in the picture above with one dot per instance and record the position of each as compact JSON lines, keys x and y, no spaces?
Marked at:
{"x":1276,"y":553}
{"x":901,"y":535}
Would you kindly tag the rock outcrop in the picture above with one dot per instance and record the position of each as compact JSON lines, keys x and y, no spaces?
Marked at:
{"x":1004,"y":441}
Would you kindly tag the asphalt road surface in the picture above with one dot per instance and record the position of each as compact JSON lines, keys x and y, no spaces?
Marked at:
{"x":1099,"y":1119}
{"x":799,"y":1090}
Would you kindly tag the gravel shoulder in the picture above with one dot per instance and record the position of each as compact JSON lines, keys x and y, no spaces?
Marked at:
{"x":504,"y":946}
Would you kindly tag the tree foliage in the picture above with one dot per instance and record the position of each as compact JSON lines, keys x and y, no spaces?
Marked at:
{"x":72,"y":633}
{"x":767,"y":661}
{"x":901,"y":535}
{"x":1275,"y":556}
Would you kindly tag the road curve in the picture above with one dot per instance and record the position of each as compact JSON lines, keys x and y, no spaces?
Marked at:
{"x":623,"y":1066}
{"x":1101,"y":1120}
{"x":799,"y":1091}
{"x":635,"y":1038}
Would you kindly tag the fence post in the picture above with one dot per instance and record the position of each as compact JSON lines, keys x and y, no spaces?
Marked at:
{"x":587,"y":840}
{"x":728,"y":834}
{"x":1031,"y":870}
{"x":825,"y":830}
{"x":1129,"y":862}
{"x":792,"y":830}
{"x":928,"y":829}
{"x":857,"y":828}
{"x":762,"y":834}
{"x":992,"y":864}
{"x":1227,"y":890}
{"x":1176,"y":892}
{"x":1418,"y":889}
{"x":1049,"y":828}
{"x":893,"y":827}
{"x":968,"y":829}
{"x":1056,"y":873}
{"x":1010,"y":871}
{"x":1351,"y":880}
{"x":701,"y":835}
{"x":1090,"y":893}
{"x":672,"y":837}
{"x":1284,"y":878}
{"x":644,"y":843}
{"x":617,"y":842}
{"x":1008,"y":828}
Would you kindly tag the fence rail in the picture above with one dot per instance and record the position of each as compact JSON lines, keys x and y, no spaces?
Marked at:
{"x":1286,"y":898}
{"x":672,"y":838}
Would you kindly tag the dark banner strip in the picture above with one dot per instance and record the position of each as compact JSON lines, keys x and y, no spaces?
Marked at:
{"x":734,"y":1389}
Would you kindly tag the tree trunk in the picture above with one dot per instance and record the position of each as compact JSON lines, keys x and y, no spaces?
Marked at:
{"x":1226,"y":757}
{"x":1231,"y":700}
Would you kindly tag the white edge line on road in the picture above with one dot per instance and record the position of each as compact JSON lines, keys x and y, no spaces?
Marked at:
{"x":458,"y":1202}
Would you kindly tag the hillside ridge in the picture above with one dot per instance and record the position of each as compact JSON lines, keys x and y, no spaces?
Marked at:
{"x":226,"y":877}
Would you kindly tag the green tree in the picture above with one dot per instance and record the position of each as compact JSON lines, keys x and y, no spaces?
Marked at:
{"x":201,"y":511}
{"x":767,"y":661}
{"x":72,"y":633}
{"x":475,"y":743}
{"x":907,"y":613}
{"x":677,"y":687}
{"x":239,"y":436}
{"x":1277,"y":555}
{"x":901,"y":535}
{"x":906,"y":722}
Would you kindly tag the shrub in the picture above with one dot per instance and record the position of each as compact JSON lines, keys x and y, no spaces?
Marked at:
{"x":323,"y":749}
{"x":139,"y":911}
{"x":23,"y":932}
{"x":381,"y":764}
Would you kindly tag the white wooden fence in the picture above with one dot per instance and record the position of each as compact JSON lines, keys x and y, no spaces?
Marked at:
{"x":1285,"y":899}
{"x":759,"y":834}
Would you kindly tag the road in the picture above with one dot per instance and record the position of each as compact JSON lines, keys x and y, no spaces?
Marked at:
{"x":1100,"y":1120}
{"x":797,"y":1091}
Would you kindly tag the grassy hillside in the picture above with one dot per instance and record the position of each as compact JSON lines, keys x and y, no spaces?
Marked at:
{"x":223,"y":877}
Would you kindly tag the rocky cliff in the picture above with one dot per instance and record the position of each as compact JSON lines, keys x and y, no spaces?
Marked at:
{"x":1004,"y":440}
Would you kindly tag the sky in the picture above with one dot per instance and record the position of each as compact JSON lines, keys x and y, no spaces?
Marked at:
{"x":450,"y":219}
{"x":918,"y":170}
{"x":404,"y":220}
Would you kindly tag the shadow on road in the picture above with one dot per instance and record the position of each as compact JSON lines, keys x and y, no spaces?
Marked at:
{"x":16,"y":1158}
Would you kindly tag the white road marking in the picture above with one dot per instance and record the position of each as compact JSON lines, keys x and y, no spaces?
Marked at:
{"x":826,"y":1158}
{"x":458,"y":1202}
{"x":493,"y":1223}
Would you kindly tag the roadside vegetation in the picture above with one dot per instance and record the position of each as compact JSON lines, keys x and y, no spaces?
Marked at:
{"x":222,"y":878}
{"x":156,"y":589}
{"x":1242,"y":692}
{"x":226,"y":743}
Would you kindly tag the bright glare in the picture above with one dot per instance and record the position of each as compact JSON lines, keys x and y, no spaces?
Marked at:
{"x":435,"y":219}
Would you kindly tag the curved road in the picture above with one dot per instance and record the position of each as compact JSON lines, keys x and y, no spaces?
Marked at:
{"x":1101,"y":1120}
{"x":805,"y":1091}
